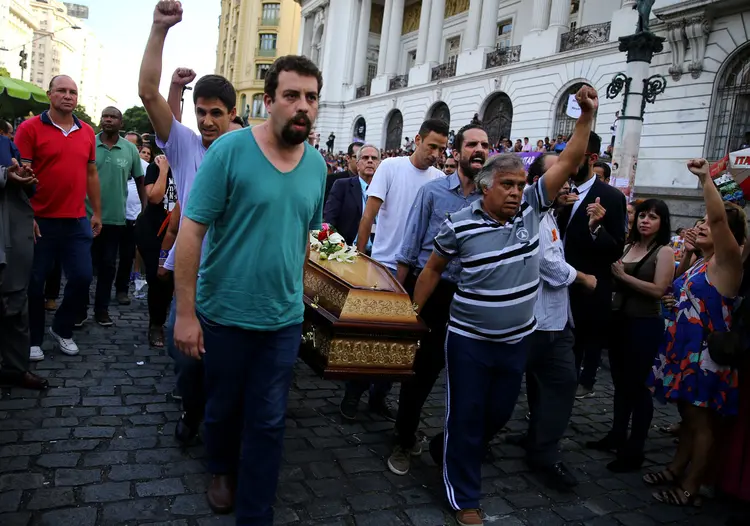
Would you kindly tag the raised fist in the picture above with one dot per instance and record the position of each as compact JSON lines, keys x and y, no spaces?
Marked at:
{"x":167,"y":13}
{"x":587,"y":99}
{"x":699,"y":167}
{"x":183,"y":76}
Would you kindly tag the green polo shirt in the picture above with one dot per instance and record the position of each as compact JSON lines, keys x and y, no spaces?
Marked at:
{"x":115,"y":166}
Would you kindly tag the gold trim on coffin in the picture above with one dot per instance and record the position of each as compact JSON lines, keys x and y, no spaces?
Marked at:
{"x":361,"y":352}
{"x":331,"y":297}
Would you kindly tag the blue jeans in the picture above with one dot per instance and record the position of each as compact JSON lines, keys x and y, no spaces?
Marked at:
{"x":69,"y":241}
{"x":189,"y":372}
{"x":482,"y":385}
{"x":247,"y":378}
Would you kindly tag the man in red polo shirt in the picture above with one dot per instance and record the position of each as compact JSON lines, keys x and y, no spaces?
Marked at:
{"x":62,"y":152}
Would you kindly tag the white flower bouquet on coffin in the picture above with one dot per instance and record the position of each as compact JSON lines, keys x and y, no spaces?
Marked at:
{"x":330,"y":245}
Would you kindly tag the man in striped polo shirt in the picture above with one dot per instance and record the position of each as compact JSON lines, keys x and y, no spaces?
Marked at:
{"x":496,"y":239}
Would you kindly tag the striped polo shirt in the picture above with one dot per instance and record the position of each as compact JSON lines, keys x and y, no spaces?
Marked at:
{"x":499,"y":275}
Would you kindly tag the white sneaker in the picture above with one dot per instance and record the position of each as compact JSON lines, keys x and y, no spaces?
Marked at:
{"x":67,"y":345}
{"x":36,"y":354}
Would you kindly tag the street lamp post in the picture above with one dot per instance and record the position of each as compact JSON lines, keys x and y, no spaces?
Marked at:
{"x":24,"y":56}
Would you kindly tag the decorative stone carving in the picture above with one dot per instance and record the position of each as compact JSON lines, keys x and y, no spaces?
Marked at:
{"x":454,"y":7}
{"x":697,"y":29}
{"x":677,"y":43}
{"x":502,"y":57}
{"x":585,"y":36}
{"x":411,"y":18}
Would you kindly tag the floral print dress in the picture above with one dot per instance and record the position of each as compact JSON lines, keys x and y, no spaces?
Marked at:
{"x":683,"y":369}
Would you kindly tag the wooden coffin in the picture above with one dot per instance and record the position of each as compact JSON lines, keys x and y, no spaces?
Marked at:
{"x":359,"y":321}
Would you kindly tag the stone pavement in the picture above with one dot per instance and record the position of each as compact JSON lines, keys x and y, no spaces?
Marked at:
{"x":97,"y":449}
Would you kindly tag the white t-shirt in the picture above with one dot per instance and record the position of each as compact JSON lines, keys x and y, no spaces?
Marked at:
{"x":133,"y":204}
{"x":396,"y":182}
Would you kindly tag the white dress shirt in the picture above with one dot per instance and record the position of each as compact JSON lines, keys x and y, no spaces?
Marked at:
{"x":582,"y":191}
{"x":552,"y":309}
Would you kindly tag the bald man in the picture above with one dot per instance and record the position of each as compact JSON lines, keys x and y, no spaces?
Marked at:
{"x":61,"y":151}
{"x":117,"y":161}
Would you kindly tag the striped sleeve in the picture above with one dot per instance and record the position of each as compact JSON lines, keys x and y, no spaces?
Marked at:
{"x":446,"y":244}
{"x":536,"y":196}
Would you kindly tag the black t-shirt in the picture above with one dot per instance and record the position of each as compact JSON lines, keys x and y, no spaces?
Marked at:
{"x":156,"y":213}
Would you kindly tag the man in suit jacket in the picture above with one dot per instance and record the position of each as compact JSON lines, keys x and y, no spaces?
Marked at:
{"x":17,"y":230}
{"x":594,"y":230}
{"x":344,"y":206}
{"x":351,"y":157}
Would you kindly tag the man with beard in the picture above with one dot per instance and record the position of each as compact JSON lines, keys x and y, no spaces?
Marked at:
{"x":591,"y":246}
{"x":117,"y":161}
{"x":496,"y":240}
{"x":215,"y":99}
{"x":389,"y":198}
{"x":551,"y":376}
{"x":433,"y":203}
{"x":350,"y":172}
{"x":244,"y":318}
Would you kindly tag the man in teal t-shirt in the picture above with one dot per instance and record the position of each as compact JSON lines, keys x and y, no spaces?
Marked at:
{"x":260,"y":191}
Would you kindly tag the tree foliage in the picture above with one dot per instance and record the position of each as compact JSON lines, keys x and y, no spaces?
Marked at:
{"x":80,"y":112}
{"x":4,"y":72}
{"x":136,"y":119}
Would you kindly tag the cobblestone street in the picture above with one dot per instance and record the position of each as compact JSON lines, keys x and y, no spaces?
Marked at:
{"x":97,"y":449}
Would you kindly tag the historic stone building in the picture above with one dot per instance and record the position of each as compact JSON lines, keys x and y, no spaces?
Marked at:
{"x":389,"y":64}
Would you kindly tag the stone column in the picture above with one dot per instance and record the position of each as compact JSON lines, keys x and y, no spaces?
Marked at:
{"x":394,"y":36}
{"x":471,"y":33}
{"x":363,"y":32}
{"x":635,"y":85}
{"x":624,"y":21}
{"x":384,"y":30}
{"x":540,"y":15}
{"x":560,"y":14}
{"x":424,"y":28}
{"x":488,"y":25}
{"x":303,"y":35}
{"x":435,"y":37}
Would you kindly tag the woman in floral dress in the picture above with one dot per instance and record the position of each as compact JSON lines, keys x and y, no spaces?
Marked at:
{"x":684,"y":372}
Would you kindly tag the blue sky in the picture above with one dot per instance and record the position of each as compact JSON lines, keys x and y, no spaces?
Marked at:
{"x":123,"y":27}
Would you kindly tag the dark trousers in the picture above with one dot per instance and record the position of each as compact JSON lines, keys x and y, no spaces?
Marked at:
{"x":52,"y":285}
{"x":14,"y":333}
{"x":483,"y":382}
{"x":126,"y":251}
{"x":428,"y":362}
{"x":248,"y":376}
{"x":159,"y":291}
{"x":68,"y":240}
{"x":189,"y":373}
{"x":551,"y":381}
{"x":634,"y":346}
{"x":589,"y":339}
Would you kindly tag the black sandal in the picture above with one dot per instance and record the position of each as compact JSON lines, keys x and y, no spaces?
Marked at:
{"x":678,"y":497}
{"x":659,"y":478}
{"x":156,"y":337}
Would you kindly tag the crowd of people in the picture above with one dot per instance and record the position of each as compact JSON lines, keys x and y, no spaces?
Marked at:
{"x":517,"y":273}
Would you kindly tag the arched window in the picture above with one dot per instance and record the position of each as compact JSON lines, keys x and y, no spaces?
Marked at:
{"x":729,"y":128}
{"x":440,"y":111}
{"x":243,"y":103}
{"x":360,"y":129}
{"x":497,"y":118}
{"x":393,"y":131}
{"x":564,"y":125}
{"x":259,"y":109}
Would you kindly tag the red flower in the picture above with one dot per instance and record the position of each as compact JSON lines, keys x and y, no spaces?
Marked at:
{"x":323,"y":235}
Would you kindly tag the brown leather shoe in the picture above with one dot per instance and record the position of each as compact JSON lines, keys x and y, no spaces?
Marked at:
{"x":32,"y":381}
{"x":469,"y":518}
{"x":220,"y":494}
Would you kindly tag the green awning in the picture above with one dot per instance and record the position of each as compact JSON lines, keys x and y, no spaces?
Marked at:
{"x":20,"y":89}
{"x":18,"y":97}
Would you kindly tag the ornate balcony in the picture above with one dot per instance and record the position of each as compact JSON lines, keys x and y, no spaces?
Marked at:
{"x":585,"y":36}
{"x":502,"y":57}
{"x":362,"y":91}
{"x":398,"y":82}
{"x":444,"y":71}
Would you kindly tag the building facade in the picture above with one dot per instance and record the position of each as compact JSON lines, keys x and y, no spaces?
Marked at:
{"x":18,"y":25}
{"x":389,"y":64}
{"x":252,"y":34}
